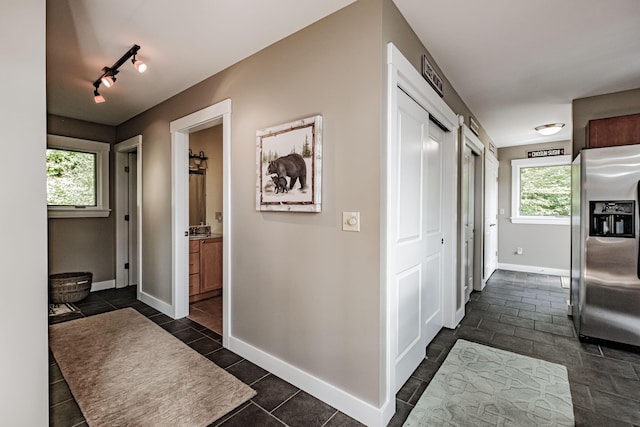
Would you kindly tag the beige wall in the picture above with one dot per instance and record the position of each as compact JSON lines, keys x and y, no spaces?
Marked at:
{"x":397,"y":30}
{"x":302,"y":290}
{"x":23,"y":217}
{"x":210,"y":142}
{"x":547,"y":246}
{"x":84,"y":244}
{"x":600,"y":107}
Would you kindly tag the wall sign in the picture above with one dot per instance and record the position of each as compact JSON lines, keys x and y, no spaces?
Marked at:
{"x":474,"y":126}
{"x":546,"y":153}
{"x":430,"y":75}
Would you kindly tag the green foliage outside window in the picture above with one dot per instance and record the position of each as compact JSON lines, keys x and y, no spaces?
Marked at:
{"x":545,"y":191}
{"x":71,"y":178}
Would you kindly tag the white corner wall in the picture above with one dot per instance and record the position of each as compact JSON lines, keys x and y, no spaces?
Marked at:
{"x":23,"y":251}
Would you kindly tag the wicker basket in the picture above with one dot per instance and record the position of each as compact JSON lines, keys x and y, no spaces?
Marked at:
{"x":69,"y":287}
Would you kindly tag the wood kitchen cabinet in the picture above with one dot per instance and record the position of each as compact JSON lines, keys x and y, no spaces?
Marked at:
{"x":621,"y":130}
{"x":205,"y":268}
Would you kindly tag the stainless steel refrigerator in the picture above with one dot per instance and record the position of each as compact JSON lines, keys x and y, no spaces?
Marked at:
{"x":605,"y":256}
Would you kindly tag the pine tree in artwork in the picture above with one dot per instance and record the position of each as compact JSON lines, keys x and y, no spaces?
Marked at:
{"x":306,"y":148}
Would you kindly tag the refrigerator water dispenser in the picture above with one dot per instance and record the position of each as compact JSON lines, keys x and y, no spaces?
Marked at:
{"x":612,"y":218}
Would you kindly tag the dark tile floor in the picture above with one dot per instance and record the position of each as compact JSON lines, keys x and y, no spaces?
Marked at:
{"x":277,"y":403}
{"x":526,"y":313}
{"x":519,"y":312}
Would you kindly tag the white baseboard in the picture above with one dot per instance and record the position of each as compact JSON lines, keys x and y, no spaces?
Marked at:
{"x":154,"y":302}
{"x":101,"y":286}
{"x":352,"y":406}
{"x":534,"y":269}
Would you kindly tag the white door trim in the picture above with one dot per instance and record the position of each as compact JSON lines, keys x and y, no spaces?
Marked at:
{"x":121,"y":152}
{"x":490,"y":224}
{"x":476,"y":146}
{"x":219,"y":113}
{"x":400,"y":73}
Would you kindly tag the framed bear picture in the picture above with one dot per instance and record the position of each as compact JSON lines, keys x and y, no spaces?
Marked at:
{"x":289,"y":166}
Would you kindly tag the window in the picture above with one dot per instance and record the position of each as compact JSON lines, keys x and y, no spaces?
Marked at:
{"x":541,"y":190}
{"x":77,"y":177}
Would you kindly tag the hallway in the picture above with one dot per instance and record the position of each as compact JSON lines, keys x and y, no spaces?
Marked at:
{"x":526,"y":313}
{"x":519,"y":312}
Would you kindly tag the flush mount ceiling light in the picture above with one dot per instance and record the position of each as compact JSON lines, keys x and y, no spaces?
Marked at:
{"x":550,"y":129}
{"x":108,"y":77}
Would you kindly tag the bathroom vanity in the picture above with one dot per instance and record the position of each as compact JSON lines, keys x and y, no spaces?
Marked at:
{"x":205,"y":267}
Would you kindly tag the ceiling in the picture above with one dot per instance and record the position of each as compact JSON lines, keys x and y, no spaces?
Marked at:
{"x":516,"y":64}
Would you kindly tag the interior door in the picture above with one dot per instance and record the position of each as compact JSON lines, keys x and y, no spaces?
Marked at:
{"x":490,"y":217}
{"x":132,"y":228}
{"x":468,"y":218}
{"x":417,"y":270}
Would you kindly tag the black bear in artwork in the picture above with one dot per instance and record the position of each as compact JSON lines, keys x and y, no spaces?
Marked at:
{"x":293,"y":166}
{"x":280,"y":183}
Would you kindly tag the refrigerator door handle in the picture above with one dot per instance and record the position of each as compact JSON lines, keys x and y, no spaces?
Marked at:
{"x":636,"y":233}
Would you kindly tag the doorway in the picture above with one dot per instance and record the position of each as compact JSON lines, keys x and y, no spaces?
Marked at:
{"x":206,"y":227}
{"x":128,"y":213}
{"x":418,"y":222}
{"x":490,"y":258}
{"x":217,"y":114}
{"x":471,"y":212}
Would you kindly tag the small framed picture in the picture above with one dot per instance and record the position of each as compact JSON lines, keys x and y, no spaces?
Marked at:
{"x":289,"y":166}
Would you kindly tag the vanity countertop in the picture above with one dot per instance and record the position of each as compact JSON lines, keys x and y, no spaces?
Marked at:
{"x":205,"y":236}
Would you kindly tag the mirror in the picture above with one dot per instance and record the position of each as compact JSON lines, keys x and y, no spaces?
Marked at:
{"x":197,"y":198}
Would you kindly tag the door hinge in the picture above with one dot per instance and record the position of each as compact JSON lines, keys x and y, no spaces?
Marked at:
{"x":126,"y":169}
{"x":126,"y":266}
{"x":126,"y":217}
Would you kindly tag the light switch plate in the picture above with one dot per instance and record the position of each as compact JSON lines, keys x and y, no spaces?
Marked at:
{"x":350,"y":221}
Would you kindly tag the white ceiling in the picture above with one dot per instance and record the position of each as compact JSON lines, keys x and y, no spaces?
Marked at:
{"x":516,"y":64}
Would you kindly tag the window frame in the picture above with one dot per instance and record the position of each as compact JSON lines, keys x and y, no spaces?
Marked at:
{"x":101,"y":151}
{"x":516,"y":166}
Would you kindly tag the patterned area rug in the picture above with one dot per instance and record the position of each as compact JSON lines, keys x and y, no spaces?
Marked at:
{"x":124,"y":370}
{"x":483,"y":386}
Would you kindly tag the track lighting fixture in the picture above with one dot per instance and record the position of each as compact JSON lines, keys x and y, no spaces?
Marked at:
{"x":140,"y":66}
{"x":108,"y":77}
{"x":99,"y":99}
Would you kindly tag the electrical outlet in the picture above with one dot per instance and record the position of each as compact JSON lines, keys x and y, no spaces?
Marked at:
{"x":501,"y":211}
{"x":519,"y":251}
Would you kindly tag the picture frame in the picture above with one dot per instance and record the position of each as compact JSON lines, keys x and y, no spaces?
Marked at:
{"x":289,"y":166}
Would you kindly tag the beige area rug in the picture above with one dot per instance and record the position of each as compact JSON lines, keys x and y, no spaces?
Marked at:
{"x":124,"y":370}
{"x":484,"y":386}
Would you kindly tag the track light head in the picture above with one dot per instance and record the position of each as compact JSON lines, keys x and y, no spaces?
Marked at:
{"x":109,"y":77}
{"x":97,"y":98}
{"x":140,"y":66}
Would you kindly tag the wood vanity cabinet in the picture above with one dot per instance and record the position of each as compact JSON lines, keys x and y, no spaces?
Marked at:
{"x":205,"y":268}
{"x":621,"y":130}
